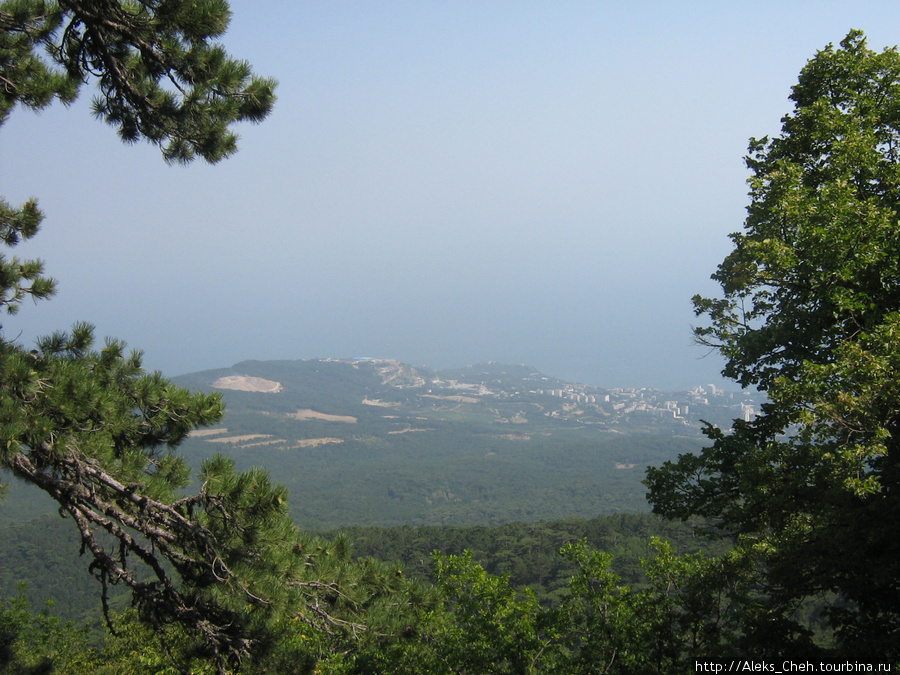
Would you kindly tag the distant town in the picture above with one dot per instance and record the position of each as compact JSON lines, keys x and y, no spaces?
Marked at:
{"x":581,"y":403}
{"x":685,"y":406}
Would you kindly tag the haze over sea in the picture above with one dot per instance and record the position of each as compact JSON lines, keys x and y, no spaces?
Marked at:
{"x":441,"y":183}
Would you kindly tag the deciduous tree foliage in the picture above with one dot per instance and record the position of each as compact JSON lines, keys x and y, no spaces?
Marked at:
{"x":34,"y":643}
{"x":810,"y":313}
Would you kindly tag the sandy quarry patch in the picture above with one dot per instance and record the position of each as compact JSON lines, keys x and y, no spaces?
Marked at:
{"x":238,"y":439}
{"x":457,"y":399}
{"x":378,"y":402}
{"x":408,"y":431}
{"x":243,"y":383}
{"x":200,"y":433}
{"x":274,"y":441}
{"x":313,"y":442}
{"x":307,"y":414}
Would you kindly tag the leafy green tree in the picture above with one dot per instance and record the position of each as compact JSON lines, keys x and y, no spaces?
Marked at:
{"x":494,"y":629}
{"x":608,"y":627}
{"x":34,"y":643}
{"x":677,"y":613}
{"x":810,"y":314}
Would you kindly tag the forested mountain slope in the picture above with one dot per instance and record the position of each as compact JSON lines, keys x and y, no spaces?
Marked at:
{"x":378,"y":442}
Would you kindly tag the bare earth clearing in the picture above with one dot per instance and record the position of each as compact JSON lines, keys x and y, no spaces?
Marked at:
{"x":378,"y":402}
{"x":242,"y":383}
{"x":199,"y":433}
{"x":307,"y":414}
{"x":237,"y":439}
{"x":266,"y":439}
{"x":457,"y":398}
{"x":313,"y":442}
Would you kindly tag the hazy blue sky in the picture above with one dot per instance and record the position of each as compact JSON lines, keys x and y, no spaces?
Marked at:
{"x":441,"y":183}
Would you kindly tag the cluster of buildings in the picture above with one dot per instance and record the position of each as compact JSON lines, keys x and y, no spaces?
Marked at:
{"x":584,"y":404}
{"x":588,"y":405}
